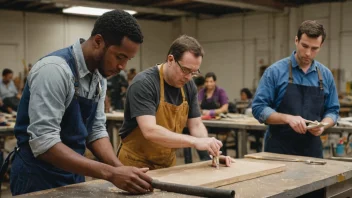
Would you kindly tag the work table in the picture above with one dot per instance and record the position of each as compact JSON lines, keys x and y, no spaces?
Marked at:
{"x":298,"y":179}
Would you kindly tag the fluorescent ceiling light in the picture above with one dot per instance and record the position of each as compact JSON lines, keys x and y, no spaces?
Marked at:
{"x":90,"y":11}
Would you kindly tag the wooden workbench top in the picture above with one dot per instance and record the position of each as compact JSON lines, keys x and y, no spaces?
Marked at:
{"x":298,"y":179}
{"x":238,"y":121}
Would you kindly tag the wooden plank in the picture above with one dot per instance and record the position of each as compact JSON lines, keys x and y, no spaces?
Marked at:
{"x":203,"y":174}
{"x":296,"y":180}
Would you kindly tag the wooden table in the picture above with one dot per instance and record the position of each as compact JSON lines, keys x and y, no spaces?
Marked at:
{"x":113,"y":123}
{"x":7,"y":130}
{"x":296,"y":180}
{"x":238,"y":122}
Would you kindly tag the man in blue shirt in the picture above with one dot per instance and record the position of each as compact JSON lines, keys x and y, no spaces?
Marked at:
{"x":296,"y":89}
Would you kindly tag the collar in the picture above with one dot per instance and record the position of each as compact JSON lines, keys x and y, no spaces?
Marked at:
{"x":295,"y":64}
{"x":82,"y":67}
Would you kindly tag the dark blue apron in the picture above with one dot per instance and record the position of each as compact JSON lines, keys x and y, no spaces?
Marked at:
{"x":307,"y":102}
{"x":29,"y":174}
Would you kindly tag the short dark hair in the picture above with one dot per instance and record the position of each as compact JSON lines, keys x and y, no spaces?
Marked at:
{"x":184,"y":44}
{"x":312,"y":29}
{"x":132,"y":70}
{"x":247,"y":92}
{"x":199,"y":80}
{"x":210,"y":75}
{"x":115,"y":25}
{"x":6,"y":71}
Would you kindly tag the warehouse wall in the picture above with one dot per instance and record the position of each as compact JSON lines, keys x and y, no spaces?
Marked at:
{"x":29,"y":36}
{"x":235,"y":46}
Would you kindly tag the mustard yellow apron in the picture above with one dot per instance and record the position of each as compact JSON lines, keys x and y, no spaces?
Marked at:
{"x":137,"y":151}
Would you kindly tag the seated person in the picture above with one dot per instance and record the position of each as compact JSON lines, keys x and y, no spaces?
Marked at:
{"x":246,"y":94}
{"x":213,"y":101}
{"x":117,"y":86}
{"x":246,"y":98}
{"x":9,"y":95}
{"x":131,"y":74}
{"x":199,"y":81}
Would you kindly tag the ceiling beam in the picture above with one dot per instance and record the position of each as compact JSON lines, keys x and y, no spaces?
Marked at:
{"x":140,"y":9}
{"x":33,"y":4}
{"x":171,"y":3}
{"x":10,"y":3}
{"x":47,"y":7}
{"x":241,"y":4}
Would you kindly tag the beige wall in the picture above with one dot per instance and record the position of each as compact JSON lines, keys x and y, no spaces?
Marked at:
{"x":234,"y":45}
{"x":29,"y":36}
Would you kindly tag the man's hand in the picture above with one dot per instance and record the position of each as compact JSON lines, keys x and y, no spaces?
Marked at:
{"x":297,"y":123}
{"x":19,"y":95}
{"x":131,"y":179}
{"x":317,"y":131}
{"x":227,"y":160}
{"x":211,"y":145}
{"x":1,"y":103}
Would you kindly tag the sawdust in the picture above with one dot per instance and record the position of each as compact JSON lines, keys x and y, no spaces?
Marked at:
{"x":113,"y":189}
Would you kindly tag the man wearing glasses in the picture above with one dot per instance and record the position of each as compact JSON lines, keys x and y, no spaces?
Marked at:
{"x":160,"y":102}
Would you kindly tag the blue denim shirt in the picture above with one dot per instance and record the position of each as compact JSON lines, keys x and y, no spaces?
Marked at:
{"x":272,"y":87}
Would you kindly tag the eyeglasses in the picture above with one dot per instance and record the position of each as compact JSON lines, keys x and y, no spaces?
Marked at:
{"x":187,"y":71}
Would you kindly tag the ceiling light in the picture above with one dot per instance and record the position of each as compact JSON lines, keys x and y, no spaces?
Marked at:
{"x":90,"y":11}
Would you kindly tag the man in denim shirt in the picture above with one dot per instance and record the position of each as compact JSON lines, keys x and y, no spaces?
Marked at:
{"x":296,"y":89}
{"x":62,"y":112}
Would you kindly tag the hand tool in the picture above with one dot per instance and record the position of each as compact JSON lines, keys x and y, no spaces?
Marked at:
{"x":193,"y":190}
{"x":314,"y":124}
{"x":285,"y":159}
{"x":217,"y":162}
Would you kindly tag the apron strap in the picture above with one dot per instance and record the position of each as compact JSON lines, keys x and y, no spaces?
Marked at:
{"x":161,"y":75}
{"x":290,"y":78}
{"x":76,"y":74}
{"x":320,"y":79}
{"x":183,"y":94}
{"x":5,"y":166}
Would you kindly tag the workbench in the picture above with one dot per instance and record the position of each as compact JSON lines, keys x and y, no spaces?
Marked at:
{"x":298,"y":179}
{"x":240,"y":124}
{"x":7,"y":130}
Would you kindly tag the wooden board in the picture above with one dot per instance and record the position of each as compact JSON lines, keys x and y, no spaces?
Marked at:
{"x":203,"y":174}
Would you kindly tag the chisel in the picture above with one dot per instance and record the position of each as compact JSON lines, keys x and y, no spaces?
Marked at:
{"x":285,"y":159}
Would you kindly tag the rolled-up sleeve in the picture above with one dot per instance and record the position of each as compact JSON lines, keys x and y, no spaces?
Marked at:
{"x":264,"y":97}
{"x":99,"y":128}
{"x":49,"y":86}
{"x":332,"y":105}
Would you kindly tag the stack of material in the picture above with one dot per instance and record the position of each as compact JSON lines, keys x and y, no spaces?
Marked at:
{"x":347,"y":122}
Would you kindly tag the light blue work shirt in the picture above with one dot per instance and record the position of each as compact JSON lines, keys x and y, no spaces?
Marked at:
{"x":51,"y":85}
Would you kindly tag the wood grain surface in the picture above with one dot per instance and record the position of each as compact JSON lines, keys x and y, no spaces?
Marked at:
{"x":203,"y":174}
